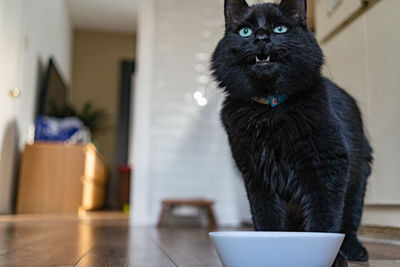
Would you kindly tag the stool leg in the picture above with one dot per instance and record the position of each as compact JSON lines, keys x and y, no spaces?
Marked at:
{"x":162,"y":215}
{"x":211,"y":217}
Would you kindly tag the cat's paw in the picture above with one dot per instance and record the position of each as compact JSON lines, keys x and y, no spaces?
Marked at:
{"x":353,"y":250}
{"x":340,"y":261}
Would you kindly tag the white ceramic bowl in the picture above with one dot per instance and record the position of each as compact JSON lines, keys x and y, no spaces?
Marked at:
{"x":276,"y":249}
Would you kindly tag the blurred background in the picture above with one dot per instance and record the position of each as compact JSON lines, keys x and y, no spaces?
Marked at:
{"x":110,"y":106}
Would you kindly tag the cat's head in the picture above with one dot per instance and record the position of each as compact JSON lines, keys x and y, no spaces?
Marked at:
{"x":267,"y":48}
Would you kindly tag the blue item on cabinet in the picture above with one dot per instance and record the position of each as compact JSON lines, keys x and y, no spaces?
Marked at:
{"x":57,"y":129}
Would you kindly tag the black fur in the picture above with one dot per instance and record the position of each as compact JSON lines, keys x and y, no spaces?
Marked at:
{"x":305,"y":163}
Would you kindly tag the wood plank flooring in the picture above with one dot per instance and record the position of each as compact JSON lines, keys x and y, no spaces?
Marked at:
{"x":106,"y":239}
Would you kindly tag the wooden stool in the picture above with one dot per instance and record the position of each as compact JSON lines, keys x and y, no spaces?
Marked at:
{"x":168,"y":204}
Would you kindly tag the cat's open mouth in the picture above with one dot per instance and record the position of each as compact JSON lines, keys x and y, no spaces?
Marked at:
{"x":263,"y":59}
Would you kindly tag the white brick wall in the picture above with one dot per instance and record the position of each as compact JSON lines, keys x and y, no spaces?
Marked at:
{"x":186,"y":149}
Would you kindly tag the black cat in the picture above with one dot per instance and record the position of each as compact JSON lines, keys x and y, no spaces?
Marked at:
{"x":296,"y":137}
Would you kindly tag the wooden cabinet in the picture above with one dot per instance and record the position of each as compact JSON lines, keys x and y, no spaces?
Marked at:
{"x":58,"y":178}
{"x":364,"y":58}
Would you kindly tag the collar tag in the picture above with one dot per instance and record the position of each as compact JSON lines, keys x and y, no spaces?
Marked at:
{"x":273,"y":100}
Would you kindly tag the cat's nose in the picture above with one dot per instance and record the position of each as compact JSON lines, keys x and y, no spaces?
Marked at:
{"x":262,"y":38}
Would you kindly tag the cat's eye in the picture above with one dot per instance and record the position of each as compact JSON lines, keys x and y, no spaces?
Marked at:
{"x":245,"y":32}
{"x":280,"y":29}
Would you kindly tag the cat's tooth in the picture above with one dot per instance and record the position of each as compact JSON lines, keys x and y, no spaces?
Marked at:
{"x":268,"y":58}
{"x":257,"y":59}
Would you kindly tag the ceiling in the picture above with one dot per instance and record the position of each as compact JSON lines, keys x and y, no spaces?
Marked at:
{"x":104,"y":15}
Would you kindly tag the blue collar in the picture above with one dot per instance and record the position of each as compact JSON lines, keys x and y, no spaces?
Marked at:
{"x":272,"y":100}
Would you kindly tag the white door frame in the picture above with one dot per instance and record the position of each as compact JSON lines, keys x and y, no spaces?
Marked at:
{"x":139,"y":154}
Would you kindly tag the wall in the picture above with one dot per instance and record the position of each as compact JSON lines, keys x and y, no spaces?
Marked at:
{"x":179,"y":148}
{"x":11,"y":25}
{"x":96,"y":74}
{"x":31,"y":31}
{"x":47,"y":33}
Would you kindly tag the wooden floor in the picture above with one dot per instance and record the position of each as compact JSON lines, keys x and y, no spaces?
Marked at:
{"x":107,"y":240}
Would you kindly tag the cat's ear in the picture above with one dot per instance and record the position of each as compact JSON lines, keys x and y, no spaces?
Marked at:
{"x":297,"y":9}
{"x":234,"y":10}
